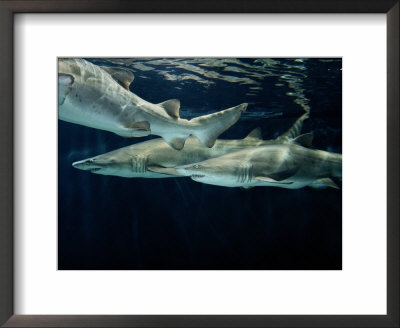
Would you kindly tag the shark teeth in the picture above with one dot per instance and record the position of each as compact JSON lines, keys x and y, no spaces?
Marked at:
{"x":197,"y":176}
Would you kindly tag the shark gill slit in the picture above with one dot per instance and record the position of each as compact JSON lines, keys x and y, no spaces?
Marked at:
{"x":245,"y":173}
{"x":139,"y":164}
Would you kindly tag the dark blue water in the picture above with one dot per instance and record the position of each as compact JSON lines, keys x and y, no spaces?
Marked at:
{"x":113,"y":223}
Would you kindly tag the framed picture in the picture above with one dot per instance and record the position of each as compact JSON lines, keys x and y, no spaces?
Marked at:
{"x":171,"y":216}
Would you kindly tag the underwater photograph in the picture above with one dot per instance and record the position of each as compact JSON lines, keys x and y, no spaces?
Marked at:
{"x":199,"y":163}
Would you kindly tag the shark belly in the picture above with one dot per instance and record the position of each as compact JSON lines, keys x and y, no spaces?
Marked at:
{"x":72,"y":113}
{"x":131,"y":174}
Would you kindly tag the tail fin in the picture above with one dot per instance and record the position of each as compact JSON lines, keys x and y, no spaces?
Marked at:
{"x":295,"y":130}
{"x":336,"y":160}
{"x":209,"y":127}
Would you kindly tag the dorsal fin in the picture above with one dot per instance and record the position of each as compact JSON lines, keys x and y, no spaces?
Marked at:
{"x":139,"y":126}
{"x":172,"y":107}
{"x":122,"y":75}
{"x":304,"y":140}
{"x":255,"y":134}
{"x":323,"y":183}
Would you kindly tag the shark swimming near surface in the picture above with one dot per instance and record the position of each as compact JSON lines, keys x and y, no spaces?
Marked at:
{"x":290,"y":166}
{"x":99,"y":97}
{"x":155,"y":159}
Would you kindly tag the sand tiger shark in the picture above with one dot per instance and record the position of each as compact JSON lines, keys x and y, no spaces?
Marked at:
{"x":289,"y":166}
{"x":99,"y":97}
{"x":155,"y":159}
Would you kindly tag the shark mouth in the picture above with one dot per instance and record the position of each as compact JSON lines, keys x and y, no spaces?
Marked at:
{"x":197,"y":176}
{"x":95,"y":169}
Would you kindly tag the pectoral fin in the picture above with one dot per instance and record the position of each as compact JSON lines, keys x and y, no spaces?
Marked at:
{"x":122,"y":75}
{"x":270,"y":180}
{"x":277,"y":177}
{"x":324,"y":183}
{"x":164,"y":170}
{"x":138,"y":129}
{"x":281,"y":175}
{"x":140,"y":126}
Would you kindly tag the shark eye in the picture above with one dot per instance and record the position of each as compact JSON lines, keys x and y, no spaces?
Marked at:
{"x":196,"y":166}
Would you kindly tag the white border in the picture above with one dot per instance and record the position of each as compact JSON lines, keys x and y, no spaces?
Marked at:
{"x":360,"y":288}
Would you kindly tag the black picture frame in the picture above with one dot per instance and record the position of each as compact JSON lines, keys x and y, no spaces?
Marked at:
{"x":10,"y":7}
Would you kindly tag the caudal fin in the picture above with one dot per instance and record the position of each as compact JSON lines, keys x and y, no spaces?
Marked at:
{"x":295,"y":129}
{"x":209,"y":127}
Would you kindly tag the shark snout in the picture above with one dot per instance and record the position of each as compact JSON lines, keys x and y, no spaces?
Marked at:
{"x":243,"y":107}
{"x":192,"y":170}
{"x":87,"y":165}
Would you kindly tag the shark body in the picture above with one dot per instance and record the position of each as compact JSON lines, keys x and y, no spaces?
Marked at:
{"x":99,"y":97}
{"x":155,"y":159}
{"x":290,"y":166}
